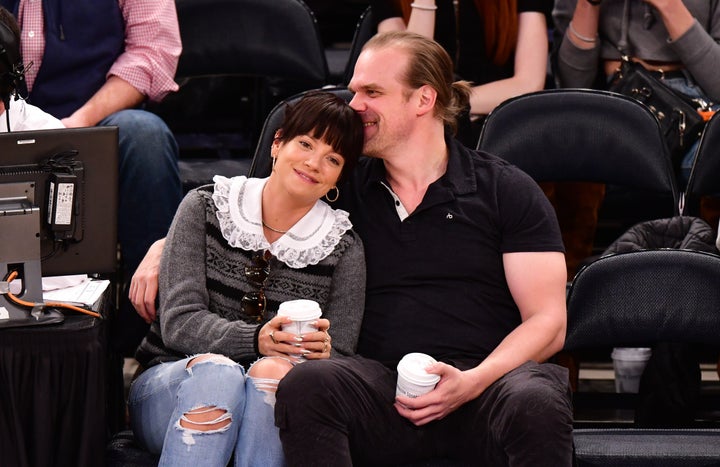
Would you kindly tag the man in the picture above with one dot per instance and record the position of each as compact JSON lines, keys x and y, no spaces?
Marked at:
{"x":465,"y":263}
{"x":95,"y":63}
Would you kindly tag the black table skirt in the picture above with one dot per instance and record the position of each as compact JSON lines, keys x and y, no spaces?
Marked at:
{"x":52,"y":394}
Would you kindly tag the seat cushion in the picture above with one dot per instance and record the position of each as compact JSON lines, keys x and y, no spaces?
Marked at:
{"x":632,"y":447}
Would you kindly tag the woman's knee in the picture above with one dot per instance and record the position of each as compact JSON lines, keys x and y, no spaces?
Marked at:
{"x":270,"y":368}
{"x":210,"y":357}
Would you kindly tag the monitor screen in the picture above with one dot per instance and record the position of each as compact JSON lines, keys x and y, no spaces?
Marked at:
{"x":67,"y":180}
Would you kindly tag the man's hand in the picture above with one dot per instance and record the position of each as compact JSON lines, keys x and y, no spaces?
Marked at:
{"x":144,"y":283}
{"x":454,"y":389}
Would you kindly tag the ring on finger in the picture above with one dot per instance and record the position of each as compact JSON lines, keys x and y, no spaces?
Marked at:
{"x":327,"y":337}
{"x":325,"y":347}
{"x":272,"y":337}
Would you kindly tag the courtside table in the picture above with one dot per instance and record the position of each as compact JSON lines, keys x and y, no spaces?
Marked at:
{"x":53,"y":394}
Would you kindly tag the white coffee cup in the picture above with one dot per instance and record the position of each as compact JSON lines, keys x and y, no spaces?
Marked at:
{"x":629,"y":364}
{"x":303,"y":314}
{"x":413,"y":380}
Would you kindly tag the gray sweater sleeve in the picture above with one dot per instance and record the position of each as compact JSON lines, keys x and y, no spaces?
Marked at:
{"x":187,"y":325}
{"x":346,"y":303}
{"x":575,"y":67}
{"x":700,"y":54}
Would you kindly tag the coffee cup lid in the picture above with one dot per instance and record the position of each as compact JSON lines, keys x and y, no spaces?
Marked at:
{"x":412,"y":368}
{"x":300,"y":310}
{"x":631,"y":353}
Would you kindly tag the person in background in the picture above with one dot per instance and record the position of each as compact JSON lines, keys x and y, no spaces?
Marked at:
{"x":676,"y":39}
{"x":235,"y":251}
{"x":464,"y":263}
{"x":17,"y":115}
{"x":95,"y":62}
{"x":501,"y":46}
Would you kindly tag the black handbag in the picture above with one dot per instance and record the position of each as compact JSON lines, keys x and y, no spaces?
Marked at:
{"x":679,"y":117}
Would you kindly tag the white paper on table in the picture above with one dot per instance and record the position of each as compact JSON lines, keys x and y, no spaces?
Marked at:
{"x":87,"y":292}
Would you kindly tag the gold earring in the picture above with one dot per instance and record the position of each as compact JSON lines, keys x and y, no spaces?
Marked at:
{"x":274,"y":159}
{"x":337,"y":194}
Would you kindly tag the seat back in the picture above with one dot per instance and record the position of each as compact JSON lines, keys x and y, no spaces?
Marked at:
{"x":581,"y":135}
{"x":705,"y":173}
{"x":251,"y":37}
{"x":364,"y":30}
{"x":239,"y":58}
{"x":637,"y":299}
{"x":261,"y":162}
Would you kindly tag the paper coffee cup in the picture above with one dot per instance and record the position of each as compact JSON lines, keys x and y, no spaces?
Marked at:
{"x":413,"y":380}
{"x":303,"y":314}
{"x":629,"y":364}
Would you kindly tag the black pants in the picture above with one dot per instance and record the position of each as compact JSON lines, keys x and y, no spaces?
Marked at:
{"x":339,"y":413}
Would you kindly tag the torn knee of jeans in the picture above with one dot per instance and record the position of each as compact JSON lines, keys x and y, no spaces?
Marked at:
{"x":267,"y":386}
{"x":209,"y":358}
{"x":203,"y":420}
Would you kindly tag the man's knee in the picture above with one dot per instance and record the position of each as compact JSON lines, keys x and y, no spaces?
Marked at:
{"x":309,"y":381}
{"x":538,"y":394}
{"x":137,"y":122}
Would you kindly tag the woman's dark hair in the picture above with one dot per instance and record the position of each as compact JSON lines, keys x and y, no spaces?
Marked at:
{"x":325,"y":116}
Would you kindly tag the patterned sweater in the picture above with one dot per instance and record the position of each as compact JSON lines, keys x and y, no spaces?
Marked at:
{"x":202,"y":281}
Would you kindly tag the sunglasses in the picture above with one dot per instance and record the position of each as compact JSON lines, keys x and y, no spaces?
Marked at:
{"x":253,"y":304}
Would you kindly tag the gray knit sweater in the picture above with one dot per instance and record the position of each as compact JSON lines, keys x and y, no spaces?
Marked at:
{"x":202,"y":281}
{"x":698,"y":49}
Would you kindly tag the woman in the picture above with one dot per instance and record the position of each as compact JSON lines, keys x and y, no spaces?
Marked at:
{"x":502,"y":45}
{"x":678,"y":39}
{"x":235,"y":251}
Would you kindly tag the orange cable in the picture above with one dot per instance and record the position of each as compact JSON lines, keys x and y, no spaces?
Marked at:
{"x":13,"y":275}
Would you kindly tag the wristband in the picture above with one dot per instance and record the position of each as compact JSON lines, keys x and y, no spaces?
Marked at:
{"x":590,"y":40}
{"x":423,"y":7}
{"x":594,"y":2}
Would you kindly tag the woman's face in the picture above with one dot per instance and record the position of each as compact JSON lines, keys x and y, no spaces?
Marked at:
{"x":307,"y":167}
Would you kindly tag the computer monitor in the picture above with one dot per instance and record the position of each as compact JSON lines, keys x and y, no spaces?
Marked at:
{"x":58,"y":211}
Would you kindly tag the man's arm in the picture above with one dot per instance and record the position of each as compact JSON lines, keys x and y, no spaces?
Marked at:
{"x":115,"y":95}
{"x":145,"y":69}
{"x":144,"y":283}
{"x":537,"y":284}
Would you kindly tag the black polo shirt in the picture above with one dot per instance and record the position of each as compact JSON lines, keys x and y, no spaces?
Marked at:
{"x":435,"y":281}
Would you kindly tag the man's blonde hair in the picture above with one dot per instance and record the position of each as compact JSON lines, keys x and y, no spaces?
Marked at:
{"x":429,"y":64}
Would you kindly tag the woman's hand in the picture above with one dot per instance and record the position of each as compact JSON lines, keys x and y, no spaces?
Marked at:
{"x":319,"y":344}
{"x":272,"y":340}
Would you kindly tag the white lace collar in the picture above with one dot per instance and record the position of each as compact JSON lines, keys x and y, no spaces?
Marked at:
{"x":239,"y":211}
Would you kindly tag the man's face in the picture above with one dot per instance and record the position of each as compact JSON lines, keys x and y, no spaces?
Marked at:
{"x":381,"y":99}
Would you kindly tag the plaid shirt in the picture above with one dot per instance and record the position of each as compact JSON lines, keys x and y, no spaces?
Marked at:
{"x":152,"y":44}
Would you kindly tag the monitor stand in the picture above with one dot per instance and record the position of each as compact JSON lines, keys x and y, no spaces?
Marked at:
{"x":20,"y":251}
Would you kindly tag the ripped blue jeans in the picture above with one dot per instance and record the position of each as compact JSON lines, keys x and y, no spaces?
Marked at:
{"x":199,"y":416}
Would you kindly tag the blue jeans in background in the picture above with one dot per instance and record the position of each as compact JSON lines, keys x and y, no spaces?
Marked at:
{"x":687,"y":87}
